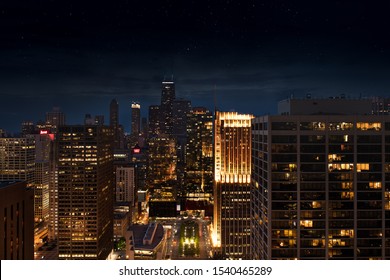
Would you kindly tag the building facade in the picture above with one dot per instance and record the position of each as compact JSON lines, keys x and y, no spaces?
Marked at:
{"x":85,"y":192}
{"x":232,"y":174}
{"x":17,"y":216}
{"x":125,"y":184}
{"x":135,"y":118}
{"x":154,"y":120}
{"x":320,"y":187}
{"x":168,"y":95}
{"x":199,"y":151}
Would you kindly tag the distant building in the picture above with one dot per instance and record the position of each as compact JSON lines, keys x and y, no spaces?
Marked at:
{"x":232,"y":175}
{"x":28,"y":127}
{"x":135,"y":119}
{"x":199,"y":151}
{"x":180,"y":109}
{"x":85,"y":192}
{"x":17,"y":216}
{"x":154,"y":120}
{"x":114,"y":124}
{"x":125,"y":184}
{"x":168,"y":96}
{"x":99,"y":120}
{"x":162,"y":160}
{"x":54,"y":119}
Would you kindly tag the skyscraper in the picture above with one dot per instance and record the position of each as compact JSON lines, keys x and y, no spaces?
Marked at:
{"x":85,"y":192}
{"x":135,"y":119}
{"x":43,"y":153}
{"x":162,"y":161}
{"x":167,"y":97}
{"x":320,"y":185}
{"x":54,"y":119}
{"x":17,"y":159}
{"x":154,"y":120}
{"x":232,"y":172}
{"x":114,"y":123}
{"x":199,"y":151}
{"x":28,"y":127}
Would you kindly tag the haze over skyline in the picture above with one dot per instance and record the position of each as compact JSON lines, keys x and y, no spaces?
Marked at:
{"x":251,"y":54}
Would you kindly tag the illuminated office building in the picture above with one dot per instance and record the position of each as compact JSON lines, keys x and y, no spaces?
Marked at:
{"x":85,"y":192}
{"x":321,"y":182}
{"x":17,"y":162}
{"x":135,"y":119}
{"x":17,"y":157}
{"x":162,"y":161}
{"x":43,"y":153}
{"x":199,"y":151}
{"x":232,"y":175}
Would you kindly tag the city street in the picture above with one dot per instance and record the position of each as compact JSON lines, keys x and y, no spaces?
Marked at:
{"x":173,"y":243}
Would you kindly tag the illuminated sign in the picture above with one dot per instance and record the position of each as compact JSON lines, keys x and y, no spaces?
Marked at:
{"x":136,"y":150}
{"x":44,"y":132}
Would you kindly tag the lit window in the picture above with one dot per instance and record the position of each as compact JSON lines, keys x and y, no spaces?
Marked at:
{"x":375,"y":185}
{"x":362,"y":167}
{"x":368,"y":126}
{"x":306,"y":223}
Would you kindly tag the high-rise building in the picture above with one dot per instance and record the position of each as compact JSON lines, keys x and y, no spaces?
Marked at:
{"x":232,"y":173}
{"x":144,"y":127}
{"x":99,"y":120}
{"x":166,"y":116}
{"x":54,"y":119}
{"x":135,"y":119}
{"x":162,"y":161}
{"x":17,"y":159}
{"x":28,"y":127}
{"x":43,"y":152}
{"x":2,"y":133}
{"x":180,"y":109}
{"x":199,"y":151}
{"x":114,"y":113}
{"x":114,"y":123}
{"x":125,"y":184}
{"x":85,"y":192}
{"x":154,"y":120}
{"x":17,"y":216}
{"x":320,"y":186}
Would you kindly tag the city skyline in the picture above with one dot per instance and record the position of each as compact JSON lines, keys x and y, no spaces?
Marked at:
{"x":241,"y":56}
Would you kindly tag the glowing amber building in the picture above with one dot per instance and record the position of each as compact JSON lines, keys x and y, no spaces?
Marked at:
{"x":232,"y":175}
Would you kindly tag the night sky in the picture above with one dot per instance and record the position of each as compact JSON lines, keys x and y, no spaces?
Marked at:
{"x":79,"y":55}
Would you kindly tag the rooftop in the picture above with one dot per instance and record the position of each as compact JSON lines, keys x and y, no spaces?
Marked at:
{"x":139,"y":233}
{"x":4,"y":184}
